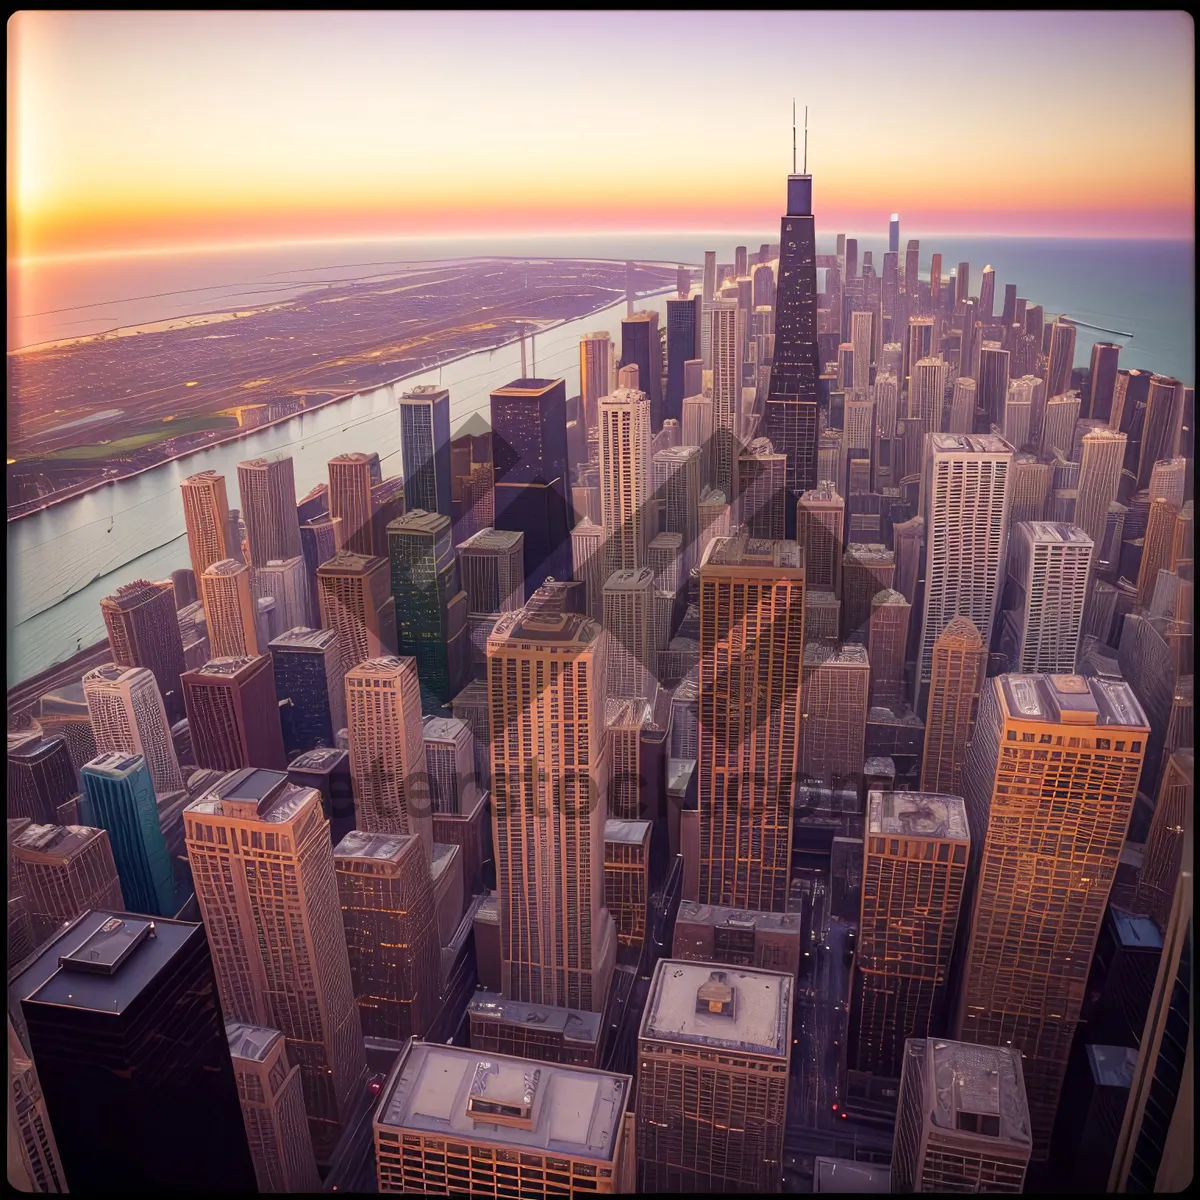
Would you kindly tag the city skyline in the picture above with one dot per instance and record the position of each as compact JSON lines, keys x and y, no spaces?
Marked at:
{"x":80,"y":189}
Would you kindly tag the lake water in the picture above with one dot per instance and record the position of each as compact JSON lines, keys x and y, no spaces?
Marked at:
{"x":65,"y":559}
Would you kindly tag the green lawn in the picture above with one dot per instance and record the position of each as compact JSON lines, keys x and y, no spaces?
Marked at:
{"x":158,"y":432}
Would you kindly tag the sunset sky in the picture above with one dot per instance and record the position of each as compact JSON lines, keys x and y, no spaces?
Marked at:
{"x":150,"y":130}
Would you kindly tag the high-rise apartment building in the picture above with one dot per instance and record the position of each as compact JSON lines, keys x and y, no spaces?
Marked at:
{"x":1045,"y":595}
{"x":229,"y":605}
{"x":128,"y":716}
{"x":356,"y":602}
{"x":1101,"y":456}
{"x":641,"y":346}
{"x":272,"y":1109}
{"x":529,"y":454}
{"x":1157,"y":545}
{"x":962,"y":406}
{"x":684,"y":317}
{"x":431,"y":608}
{"x":41,"y":777}
{"x":927,"y":392}
{"x":1050,"y":782}
{"x":1160,"y":425}
{"x":1102,"y":379}
{"x":887,"y":646}
{"x":790,"y":411}
{"x":1029,"y":485}
{"x":123,"y":1023}
{"x":751,"y":647}
{"x":286,"y":580}
{"x":143,"y":632}
{"x":1061,"y":358}
{"x":118,"y":797}
{"x":1058,"y":425}
{"x":206,"y":515}
{"x":386,"y":892}
{"x":491,"y":570}
{"x":987,"y":293}
{"x":425,"y":448}
{"x":597,"y":375}
{"x":233,"y":714}
{"x":956,"y":677}
{"x":920,"y":342}
{"x":351,"y":478}
{"x":629,"y":517}
{"x":499,"y":1112}
{"x":1159,"y":875}
{"x":677,"y":480}
{"x":589,"y":565}
{"x":547,"y":684}
{"x":915,"y":850}
{"x":963,"y":1119}
{"x":387,"y":751}
{"x":965,"y":505}
{"x":762,"y":476}
{"x":64,"y":871}
{"x":309,"y":688}
{"x":867,"y":569}
{"x":449,"y":763}
{"x":268,"y":491}
{"x":714,"y":1047}
{"x":835,"y":684}
{"x":726,"y":340}
{"x":820,"y":520}
{"x":628,"y":617}
{"x":263,"y":866}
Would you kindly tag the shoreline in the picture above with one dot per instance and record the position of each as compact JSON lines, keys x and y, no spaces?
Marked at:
{"x":82,"y":490}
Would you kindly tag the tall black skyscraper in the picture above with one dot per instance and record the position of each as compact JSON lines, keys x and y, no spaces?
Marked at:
{"x":529,"y":458}
{"x":309,"y":687}
{"x":123,"y":1023}
{"x":640,"y":346}
{"x":425,"y":448}
{"x":683,"y":343}
{"x":790,"y":418}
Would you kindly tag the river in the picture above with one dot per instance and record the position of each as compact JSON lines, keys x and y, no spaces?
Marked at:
{"x":65,"y":559}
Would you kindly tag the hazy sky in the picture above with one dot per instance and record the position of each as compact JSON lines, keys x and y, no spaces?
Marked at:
{"x":157,"y":129}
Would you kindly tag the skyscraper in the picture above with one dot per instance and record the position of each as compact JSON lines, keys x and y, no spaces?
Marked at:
{"x":726,"y":347}
{"x":993,"y":384}
{"x":119,"y":798}
{"x":1061,"y":358}
{"x":351,"y":478}
{"x":677,"y":487}
{"x":206,"y":515}
{"x":1102,"y":379}
{"x":790,"y":412}
{"x":628,"y":617}
{"x":287,"y":581}
{"x":449,"y":763}
{"x":965,"y":506}
{"x":589,"y":565}
{"x":597,"y":375}
{"x":128,"y":717}
{"x":310,"y":688}
{"x":914,"y":873}
{"x":713,"y":1052}
{"x":492,"y":571}
{"x":1044,"y":595}
{"x":894,"y":234}
{"x":34,"y":1163}
{"x":820,"y":517}
{"x":41,"y":777}
{"x":1101,"y":456}
{"x":641,"y":346}
{"x":144,"y":632}
{"x":233,"y":714}
{"x":529,"y":453}
{"x":279,"y":890}
{"x":959,"y":662}
{"x":1156,"y":548}
{"x":751,"y":645}
{"x":625,"y":479}
{"x":268,"y":491}
{"x":835,"y":684}
{"x":273,"y":1109}
{"x":963,"y":1119}
{"x":684,"y":317}
{"x":546,"y":680}
{"x":123,"y":1022}
{"x":431,"y":608}
{"x":64,"y":871}
{"x":425,"y":448}
{"x":387,"y":752}
{"x":761,"y":483}
{"x":887,"y":645}
{"x":356,"y":602}
{"x":927,"y":392}
{"x":229,"y":605}
{"x":386,"y":894}
{"x":1159,"y":875}
{"x":987,"y":293}
{"x":1047,"y":828}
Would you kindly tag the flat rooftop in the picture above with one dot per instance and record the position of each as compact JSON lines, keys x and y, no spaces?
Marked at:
{"x":760,"y":1023}
{"x":575,"y":1026}
{"x":919,"y":814}
{"x":753,"y":554}
{"x":420,"y":521}
{"x":1135,"y":931}
{"x":385,"y":847}
{"x":845,"y":1175}
{"x":1071,"y":700}
{"x":493,"y":540}
{"x":1053,"y":531}
{"x":254,"y":794}
{"x":984,"y":1080}
{"x":55,"y":841}
{"x":102,"y":962}
{"x":227,"y":666}
{"x":633,"y":833}
{"x":113,"y":763}
{"x":444,"y":729}
{"x":576,"y":1112}
{"x":1112,"y":1066}
{"x":303,"y":638}
{"x":692,"y":912}
{"x":251,"y":1042}
{"x":848,"y":654}
{"x":969,"y":443}
{"x":324,"y":758}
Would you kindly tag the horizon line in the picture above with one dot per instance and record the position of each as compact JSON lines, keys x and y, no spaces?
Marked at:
{"x":283,"y":243}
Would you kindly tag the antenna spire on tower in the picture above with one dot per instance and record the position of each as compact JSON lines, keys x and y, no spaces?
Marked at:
{"x":806,"y":139}
{"x":793,"y":135}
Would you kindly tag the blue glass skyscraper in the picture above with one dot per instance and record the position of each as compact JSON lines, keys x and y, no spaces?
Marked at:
{"x":118,"y":796}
